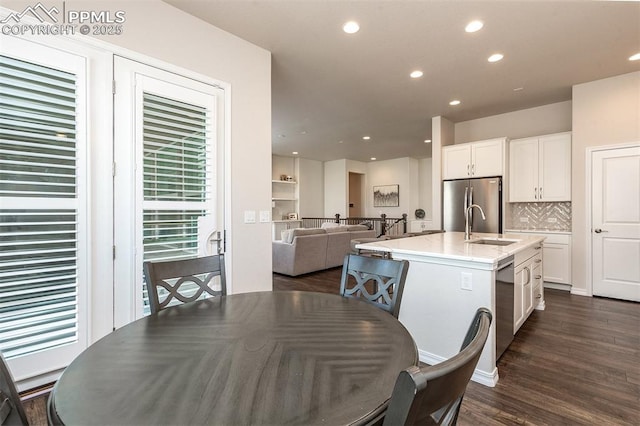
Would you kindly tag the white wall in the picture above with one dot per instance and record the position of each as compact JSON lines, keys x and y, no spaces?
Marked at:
{"x":401,"y":171}
{"x":425,"y":189}
{"x":605,"y":112}
{"x":552,"y":118}
{"x":311,"y":188}
{"x":335,"y":188}
{"x":158,"y":30}
{"x":442,"y":134}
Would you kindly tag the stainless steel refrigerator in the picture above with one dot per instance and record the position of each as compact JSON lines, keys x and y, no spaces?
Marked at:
{"x":457,"y":195}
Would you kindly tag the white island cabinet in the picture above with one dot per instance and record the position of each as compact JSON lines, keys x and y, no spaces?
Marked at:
{"x":448,"y":280}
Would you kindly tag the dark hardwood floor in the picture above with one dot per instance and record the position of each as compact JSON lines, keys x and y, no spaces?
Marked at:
{"x":575,"y":363}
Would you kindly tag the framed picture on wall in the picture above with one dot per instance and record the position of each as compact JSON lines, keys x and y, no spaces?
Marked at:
{"x":386,"y":196}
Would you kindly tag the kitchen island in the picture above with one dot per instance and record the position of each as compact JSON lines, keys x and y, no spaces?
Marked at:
{"x":450,"y":278}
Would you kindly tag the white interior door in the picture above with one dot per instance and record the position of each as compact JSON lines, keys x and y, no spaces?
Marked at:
{"x":169,"y":179}
{"x":616,"y":223}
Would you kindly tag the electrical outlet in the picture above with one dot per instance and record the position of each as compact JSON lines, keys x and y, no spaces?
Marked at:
{"x":465,"y":281}
{"x":552,"y":219}
{"x":524,"y":219}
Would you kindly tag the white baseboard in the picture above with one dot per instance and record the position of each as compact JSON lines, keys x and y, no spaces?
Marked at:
{"x":580,"y":292}
{"x":557,"y":286}
{"x":479,"y":376}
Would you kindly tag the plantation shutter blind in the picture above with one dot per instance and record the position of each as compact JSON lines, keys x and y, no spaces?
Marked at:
{"x":39,"y":194}
{"x":177,"y":178}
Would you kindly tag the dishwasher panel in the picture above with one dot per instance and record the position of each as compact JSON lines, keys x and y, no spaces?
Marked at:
{"x":504,"y":305}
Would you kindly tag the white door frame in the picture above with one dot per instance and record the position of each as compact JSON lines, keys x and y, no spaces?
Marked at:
{"x":589,"y":206}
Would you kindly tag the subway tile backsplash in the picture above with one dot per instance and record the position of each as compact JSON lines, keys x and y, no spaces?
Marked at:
{"x":539,"y":216}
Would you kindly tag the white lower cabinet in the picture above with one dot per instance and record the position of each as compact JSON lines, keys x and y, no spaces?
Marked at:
{"x":556,"y":254}
{"x":528,"y":266}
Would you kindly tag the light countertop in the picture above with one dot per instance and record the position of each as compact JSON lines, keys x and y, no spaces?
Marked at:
{"x":451,"y":246}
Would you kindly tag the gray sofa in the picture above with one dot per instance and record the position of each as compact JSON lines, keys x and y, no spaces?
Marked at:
{"x":304,"y":250}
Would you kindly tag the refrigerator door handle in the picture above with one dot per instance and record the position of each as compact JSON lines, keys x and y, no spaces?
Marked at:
{"x":466,"y":199}
{"x":470,"y":203}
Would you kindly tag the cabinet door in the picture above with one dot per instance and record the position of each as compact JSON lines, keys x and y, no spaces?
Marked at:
{"x":523,"y":170}
{"x":557,"y":263}
{"x":487,"y":158}
{"x":554,"y":181}
{"x":520,"y":277}
{"x":456,"y":161}
{"x":538,"y":295}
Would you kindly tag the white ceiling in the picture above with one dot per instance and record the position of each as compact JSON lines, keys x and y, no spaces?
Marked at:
{"x":329,"y":89}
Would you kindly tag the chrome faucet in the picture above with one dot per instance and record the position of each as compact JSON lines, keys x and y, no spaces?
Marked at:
{"x":467,"y":224}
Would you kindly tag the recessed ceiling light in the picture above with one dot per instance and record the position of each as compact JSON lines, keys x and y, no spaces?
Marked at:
{"x":304,"y":132}
{"x":427,"y":141}
{"x":517,"y":89}
{"x":295,"y":152}
{"x":366,"y":138}
{"x":416,"y":74}
{"x":351,"y":27}
{"x":454,"y":102}
{"x":340,"y":141}
{"x":495,"y":57}
{"x":473,"y":26}
{"x":373,"y":158}
{"x":634,"y":57}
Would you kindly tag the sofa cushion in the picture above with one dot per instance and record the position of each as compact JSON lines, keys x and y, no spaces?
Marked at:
{"x":339,"y":228}
{"x":289,"y":234}
{"x":358,"y":228}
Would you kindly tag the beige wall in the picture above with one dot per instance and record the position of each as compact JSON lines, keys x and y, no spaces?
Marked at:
{"x":311,"y":188}
{"x":552,"y":118}
{"x":605,"y":112}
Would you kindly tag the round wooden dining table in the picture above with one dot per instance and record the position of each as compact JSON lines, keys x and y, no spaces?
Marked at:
{"x":270,"y":358}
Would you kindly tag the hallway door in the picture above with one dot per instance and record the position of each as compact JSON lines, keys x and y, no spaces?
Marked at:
{"x":615,"y":226}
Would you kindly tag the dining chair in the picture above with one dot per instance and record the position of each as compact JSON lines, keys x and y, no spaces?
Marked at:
{"x":386,"y":277}
{"x":11,"y":409}
{"x":175,"y":281}
{"x":432,"y":395}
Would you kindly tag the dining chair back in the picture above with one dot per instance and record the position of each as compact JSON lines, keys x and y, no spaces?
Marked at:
{"x":188,"y":280}
{"x":11,"y":409}
{"x":376,"y":280}
{"x":432,"y":395}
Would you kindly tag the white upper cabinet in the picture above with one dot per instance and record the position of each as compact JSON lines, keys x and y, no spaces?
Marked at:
{"x":540,"y":168}
{"x":472,"y":160}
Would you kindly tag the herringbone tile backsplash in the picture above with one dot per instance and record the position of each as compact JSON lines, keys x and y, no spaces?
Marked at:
{"x":539,"y":216}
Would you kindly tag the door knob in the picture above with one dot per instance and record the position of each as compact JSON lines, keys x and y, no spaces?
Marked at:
{"x":598,"y":230}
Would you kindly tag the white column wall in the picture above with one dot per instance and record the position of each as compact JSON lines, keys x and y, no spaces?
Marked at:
{"x":605,"y":112}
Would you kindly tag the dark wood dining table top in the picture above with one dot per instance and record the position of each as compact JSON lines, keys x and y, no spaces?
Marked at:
{"x":276,"y":358}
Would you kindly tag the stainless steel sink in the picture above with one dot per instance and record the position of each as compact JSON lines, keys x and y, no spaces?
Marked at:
{"x":492,"y":242}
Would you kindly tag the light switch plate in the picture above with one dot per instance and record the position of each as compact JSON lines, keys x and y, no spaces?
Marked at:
{"x":265,"y":216}
{"x":249,"y":216}
{"x":465,"y":281}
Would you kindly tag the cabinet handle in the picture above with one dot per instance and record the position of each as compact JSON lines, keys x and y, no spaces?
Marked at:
{"x":535,"y":193}
{"x":538,"y":260}
{"x":468,"y":170}
{"x":539,"y":296}
{"x":526,"y":268}
{"x":537,"y":277}
{"x":473,"y":170}
{"x":537,"y":247}
{"x":540,"y":193}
